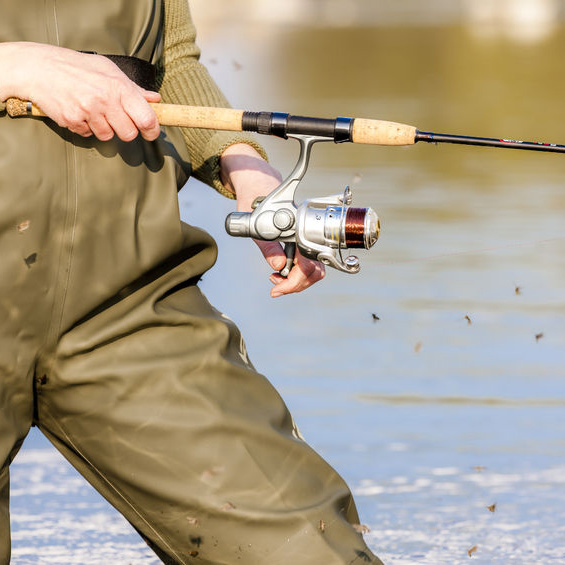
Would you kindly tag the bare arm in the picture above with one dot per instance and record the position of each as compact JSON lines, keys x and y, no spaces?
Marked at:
{"x":85,"y":93}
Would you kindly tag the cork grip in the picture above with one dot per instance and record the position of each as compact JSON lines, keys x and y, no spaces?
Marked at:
{"x":198,"y":117}
{"x":377,"y":132}
{"x":167,"y":114}
{"x":16,"y":107}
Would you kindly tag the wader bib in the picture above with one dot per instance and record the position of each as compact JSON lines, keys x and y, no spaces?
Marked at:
{"x":109,"y":347}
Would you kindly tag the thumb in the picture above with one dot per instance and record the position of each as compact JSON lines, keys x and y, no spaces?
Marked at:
{"x":150,"y":95}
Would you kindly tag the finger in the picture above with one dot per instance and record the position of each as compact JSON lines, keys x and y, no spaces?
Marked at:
{"x":294,"y":283}
{"x":142,"y":115}
{"x":82,"y":129}
{"x":304,"y":274}
{"x":273,"y":253}
{"x":150,"y":95}
{"x":121,"y":124}
{"x":100,"y":127}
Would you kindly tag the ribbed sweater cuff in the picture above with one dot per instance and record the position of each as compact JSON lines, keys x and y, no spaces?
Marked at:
{"x":188,"y":82}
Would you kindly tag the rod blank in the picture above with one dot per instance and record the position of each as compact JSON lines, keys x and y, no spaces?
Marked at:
{"x":488,"y":142}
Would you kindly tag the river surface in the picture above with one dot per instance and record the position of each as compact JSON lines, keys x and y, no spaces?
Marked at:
{"x":445,"y":415}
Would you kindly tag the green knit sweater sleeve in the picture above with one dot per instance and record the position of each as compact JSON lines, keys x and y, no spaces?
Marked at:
{"x":182,"y":79}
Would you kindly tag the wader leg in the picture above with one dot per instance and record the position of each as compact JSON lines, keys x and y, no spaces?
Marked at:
{"x":5,"y":515}
{"x":154,"y":401}
{"x":16,"y":412}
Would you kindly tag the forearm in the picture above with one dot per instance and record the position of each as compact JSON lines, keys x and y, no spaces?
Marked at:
{"x":246,"y":174}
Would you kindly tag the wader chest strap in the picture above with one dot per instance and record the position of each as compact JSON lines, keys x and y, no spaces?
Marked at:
{"x":138,"y":70}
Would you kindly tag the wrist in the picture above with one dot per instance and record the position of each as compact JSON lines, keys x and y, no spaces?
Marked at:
{"x":244,"y":171}
{"x":20,"y":62}
{"x":246,"y":174}
{"x":8,"y":70}
{"x":234,"y":160}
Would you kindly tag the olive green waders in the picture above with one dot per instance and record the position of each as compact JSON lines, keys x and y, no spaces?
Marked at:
{"x":109,"y":347}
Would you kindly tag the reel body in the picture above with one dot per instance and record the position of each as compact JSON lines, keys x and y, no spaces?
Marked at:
{"x":321,"y":228}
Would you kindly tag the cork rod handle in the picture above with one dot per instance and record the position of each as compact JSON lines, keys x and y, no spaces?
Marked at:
{"x":16,"y":107}
{"x":167,"y":114}
{"x":198,"y":117}
{"x":378,"y":132}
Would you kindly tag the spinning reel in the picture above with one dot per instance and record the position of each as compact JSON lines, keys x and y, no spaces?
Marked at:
{"x":320,"y":227}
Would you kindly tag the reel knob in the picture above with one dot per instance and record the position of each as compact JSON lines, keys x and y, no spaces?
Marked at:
{"x":283,"y":219}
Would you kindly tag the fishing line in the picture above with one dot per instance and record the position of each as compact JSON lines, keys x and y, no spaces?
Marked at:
{"x":355,"y":227}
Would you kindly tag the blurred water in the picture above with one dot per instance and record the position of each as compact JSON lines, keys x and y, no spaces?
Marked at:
{"x":449,"y":403}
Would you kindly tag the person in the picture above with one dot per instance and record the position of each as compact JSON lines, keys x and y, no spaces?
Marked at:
{"x":107,"y":344}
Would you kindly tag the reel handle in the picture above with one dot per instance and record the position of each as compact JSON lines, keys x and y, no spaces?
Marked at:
{"x":290,"y":252}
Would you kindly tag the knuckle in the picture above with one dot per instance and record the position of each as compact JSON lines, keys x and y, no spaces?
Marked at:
{"x":80,"y":130}
{"x":128,"y":135}
{"x":150,"y":136}
{"x":103,"y":134}
{"x":72,"y":118}
{"x":101,"y":130}
{"x":147,"y":121}
{"x":91,"y":102}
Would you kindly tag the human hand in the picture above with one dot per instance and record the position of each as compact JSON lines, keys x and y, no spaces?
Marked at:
{"x":303,"y":274}
{"x":88,"y":94}
{"x":248,"y":176}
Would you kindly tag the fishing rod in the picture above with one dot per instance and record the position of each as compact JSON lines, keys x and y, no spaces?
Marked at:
{"x":339,"y":130}
{"x":320,"y":228}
